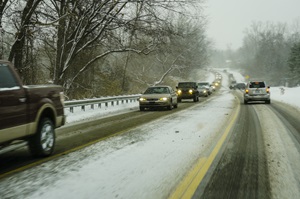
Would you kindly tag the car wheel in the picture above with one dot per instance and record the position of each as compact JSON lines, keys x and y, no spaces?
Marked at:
{"x":245,"y":101}
{"x":142,"y":108}
{"x":43,"y":142}
{"x":268,"y":102}
{"x":179,"y":100}
{"x":175,"y":105}
{"x":195,"y":98}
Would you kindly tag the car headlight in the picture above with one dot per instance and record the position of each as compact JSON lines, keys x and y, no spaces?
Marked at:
{"x":142,"y":99}
{"x":163,"y":99}
{"x":191,"y":91}
{"x":179,"y":92}
{"x":204,"y":91}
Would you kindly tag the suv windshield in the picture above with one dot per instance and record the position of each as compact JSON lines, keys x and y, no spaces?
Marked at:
{"x":186,"y":85}
{"x":257,"y":85}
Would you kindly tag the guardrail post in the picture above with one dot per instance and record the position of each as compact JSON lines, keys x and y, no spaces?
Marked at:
{"x":117,"y":102}
{"x":112,"y":103}
{"x":106,"y":104}
{"x":92,"y":106}
{"x":83,"y":108}
{"x":99,"y":105}
{"x":71,"y":110}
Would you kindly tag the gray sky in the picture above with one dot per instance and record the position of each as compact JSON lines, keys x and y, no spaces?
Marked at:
{"x":228,"y":19}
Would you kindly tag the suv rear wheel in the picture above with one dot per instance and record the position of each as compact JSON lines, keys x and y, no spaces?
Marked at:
{"x":42,"y":143}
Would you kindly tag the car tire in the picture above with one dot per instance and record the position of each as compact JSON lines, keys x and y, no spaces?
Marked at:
{"x":268,"y":102}
{"x":179,"y":100}
{"x":43,"y":142}
{"x":195,"y":98}
{"x":245,"y":102}
{"x":175,"y":105}
{"x":142,"y":108}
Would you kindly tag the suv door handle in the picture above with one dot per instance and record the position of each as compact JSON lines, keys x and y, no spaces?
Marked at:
{"x":23,"y":99}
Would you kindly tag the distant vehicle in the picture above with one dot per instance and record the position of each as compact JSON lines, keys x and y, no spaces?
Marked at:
{"x":158,"y":96}
{"x":240,"y":86}
{"x":29,"y":113}
{"x":216,"y":84}
{"x":257,"y":91}
{"x":187,"y":90}
{"x":207,"y":85}
{"x":232,"y":84}
{"x":203,"y":91}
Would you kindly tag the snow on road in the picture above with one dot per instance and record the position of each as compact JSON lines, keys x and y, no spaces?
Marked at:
{"x":146,"y":162}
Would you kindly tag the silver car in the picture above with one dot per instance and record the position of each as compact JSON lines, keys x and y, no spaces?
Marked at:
{"x":158,"y":96}
{"x":257,"y":91}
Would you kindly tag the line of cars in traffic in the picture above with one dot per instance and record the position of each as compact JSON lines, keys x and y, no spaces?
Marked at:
{"x":162,"y":96}
{"x":254,"y":90}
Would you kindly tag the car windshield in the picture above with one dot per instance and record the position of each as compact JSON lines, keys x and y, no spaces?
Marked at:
{"x":186,"y":85}
{"x":257,"y":85}
{"x":203,"y":84}
{"x":157,"y":90}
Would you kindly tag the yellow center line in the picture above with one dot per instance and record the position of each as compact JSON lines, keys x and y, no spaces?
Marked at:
{"x":192,"y":180}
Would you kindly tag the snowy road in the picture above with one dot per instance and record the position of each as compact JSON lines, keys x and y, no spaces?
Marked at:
{"x":259,"y":157}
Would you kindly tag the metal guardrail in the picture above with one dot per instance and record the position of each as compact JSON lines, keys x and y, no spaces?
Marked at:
{"x":116,"y":100}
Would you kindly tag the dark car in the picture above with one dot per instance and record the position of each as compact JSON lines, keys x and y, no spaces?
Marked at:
{"x":240,"y":86}
{"x":158,"y":96}
{"x":188,"y":90}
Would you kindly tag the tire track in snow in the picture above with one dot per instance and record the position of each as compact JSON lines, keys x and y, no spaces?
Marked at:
{"x":282,"y":154}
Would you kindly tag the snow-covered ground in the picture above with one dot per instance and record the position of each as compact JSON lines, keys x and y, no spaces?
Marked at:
{"x":146,"y":162}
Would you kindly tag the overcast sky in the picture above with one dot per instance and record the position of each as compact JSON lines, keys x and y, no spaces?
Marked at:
{"x":228,"y":19}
